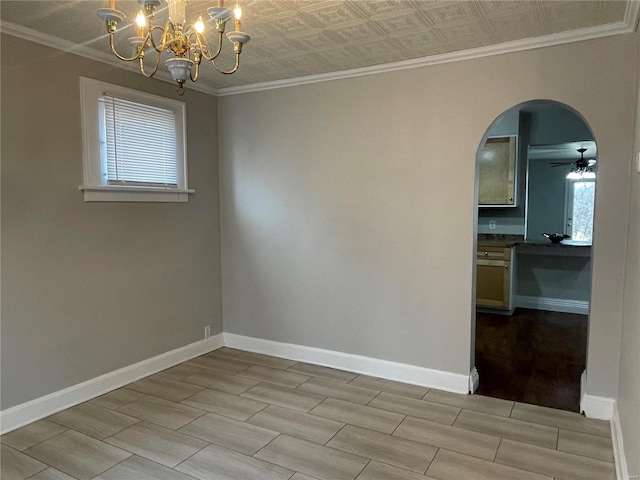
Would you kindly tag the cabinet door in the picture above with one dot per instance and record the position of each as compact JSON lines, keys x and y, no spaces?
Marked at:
{"x":497,"y":172}
{"x":492,"y":283}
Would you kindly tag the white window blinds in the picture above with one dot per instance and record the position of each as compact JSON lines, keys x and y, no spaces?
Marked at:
{"x":140,"y":143}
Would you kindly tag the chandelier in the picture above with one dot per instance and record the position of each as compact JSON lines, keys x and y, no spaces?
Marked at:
{"x":186,"y":43}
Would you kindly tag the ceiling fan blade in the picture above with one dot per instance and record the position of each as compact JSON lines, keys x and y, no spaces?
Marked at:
{"x":560,"y":164}
{"x":592,"y":162}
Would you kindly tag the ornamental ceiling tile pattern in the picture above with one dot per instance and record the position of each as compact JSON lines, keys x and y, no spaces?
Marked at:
{"x":292,"y":38}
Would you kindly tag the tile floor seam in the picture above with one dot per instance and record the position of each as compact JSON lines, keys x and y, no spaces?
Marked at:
{"x":568,"y":428}
{"x":91,"y":401}
{"x":404,"y":417}
{"x":497,"y":463}
{"x":208,"y":444}
{"x":580,"y":455}
{"x":360,"y":472}
{"x":456,"y":419}
{"x":187,"y":424}
{"x":432,"y":459}
{"x":66,"y":429}
{"x":34,"y":458}
{"x":495,"y":455}
{"x":334,"y":435}
{"x":534,"y":471}
{"x":356,"y":377}
{"x":263,"y":447}
{"x":395,"y":437}
{"x":376,"y":396}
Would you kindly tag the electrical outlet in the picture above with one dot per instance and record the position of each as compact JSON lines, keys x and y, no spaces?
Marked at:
{"x":207,"y":331}
{"x":492,"y":224}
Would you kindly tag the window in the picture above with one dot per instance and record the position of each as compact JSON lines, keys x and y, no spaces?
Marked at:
{"x":134,"y":145}
{"x":579,"y":203}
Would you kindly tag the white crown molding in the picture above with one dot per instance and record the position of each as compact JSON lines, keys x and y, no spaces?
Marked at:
{"x":400,"y":372}
{"x":90,"y":53}
{"x":25,"y":413}
{"x":626,"y":26}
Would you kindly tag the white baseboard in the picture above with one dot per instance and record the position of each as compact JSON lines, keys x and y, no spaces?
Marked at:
{"x":597,"y":407}
{"x":474,"y":380}
{"x":28,"y":412}
{"x":622,"y":471}
{"x":401,"y":372}
{"x":553,"y":304}
{"x":604,"y":408}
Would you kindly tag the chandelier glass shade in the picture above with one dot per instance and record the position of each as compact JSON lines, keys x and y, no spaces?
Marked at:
{"x":186,"y":43}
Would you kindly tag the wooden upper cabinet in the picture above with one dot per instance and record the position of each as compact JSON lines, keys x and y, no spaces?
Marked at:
{"x":497,"y":172}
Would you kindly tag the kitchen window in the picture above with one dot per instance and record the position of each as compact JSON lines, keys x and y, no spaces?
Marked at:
{"x":134,"y":145}
{"x":579,"y":207}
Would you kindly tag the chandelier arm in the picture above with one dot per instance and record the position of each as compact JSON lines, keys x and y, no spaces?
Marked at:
{"x":228,"y":72}
{"x":194,"y":78}
{"x":155,"y":69}
{"x":137,"y":56}
{"x":211,"y":58}
{"x":163,"y":38}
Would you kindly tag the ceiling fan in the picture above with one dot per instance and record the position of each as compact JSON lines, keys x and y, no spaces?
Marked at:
{"x":581,"y":164}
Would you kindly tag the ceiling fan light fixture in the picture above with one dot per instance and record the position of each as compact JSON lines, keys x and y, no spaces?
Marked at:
{"x":186,"y":42}
{"x":582,"y":168}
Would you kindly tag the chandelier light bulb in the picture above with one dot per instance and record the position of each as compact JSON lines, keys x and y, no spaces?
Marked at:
{"x":237,"y":11}
{"x":141,"y":19}
{"x":199,"y":25}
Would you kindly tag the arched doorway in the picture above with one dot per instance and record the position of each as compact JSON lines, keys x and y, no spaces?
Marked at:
{"x":537,"y":172}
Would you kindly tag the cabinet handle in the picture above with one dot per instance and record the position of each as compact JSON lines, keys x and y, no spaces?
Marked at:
{"x":506,"y":266}
{"x":511,"y":199}
{"x":486,"y":254}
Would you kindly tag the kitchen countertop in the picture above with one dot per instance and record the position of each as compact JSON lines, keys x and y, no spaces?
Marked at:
{"x":533,"y":247}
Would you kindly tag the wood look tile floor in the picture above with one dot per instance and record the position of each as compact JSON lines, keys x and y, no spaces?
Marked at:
{"x":233,"y":415}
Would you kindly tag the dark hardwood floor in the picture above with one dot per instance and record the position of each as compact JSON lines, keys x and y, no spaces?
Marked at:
{"x":533,"y":356}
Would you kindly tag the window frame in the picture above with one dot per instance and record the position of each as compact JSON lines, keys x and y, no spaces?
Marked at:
{"x":96,"y":187}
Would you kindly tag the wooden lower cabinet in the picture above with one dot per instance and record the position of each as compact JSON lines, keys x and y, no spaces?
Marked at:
{"x":494,"y":277}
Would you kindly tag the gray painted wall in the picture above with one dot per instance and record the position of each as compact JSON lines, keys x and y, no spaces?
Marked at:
{"x":88,"y":288}
{"x":629,"y":383}
{"x":348,"y":206}
{"x":546,"y":192}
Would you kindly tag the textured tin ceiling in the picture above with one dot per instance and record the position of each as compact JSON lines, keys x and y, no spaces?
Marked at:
{"x":293,"y":38}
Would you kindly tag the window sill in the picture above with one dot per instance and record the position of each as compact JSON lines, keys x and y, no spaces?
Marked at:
{"x":134,"y":194}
